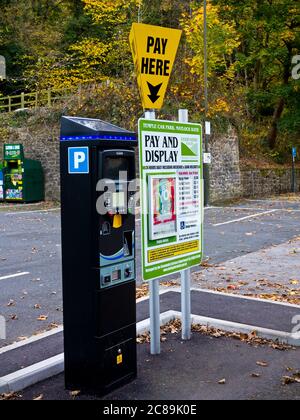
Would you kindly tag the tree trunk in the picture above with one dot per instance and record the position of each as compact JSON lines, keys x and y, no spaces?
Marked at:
{"x":272,"y":136}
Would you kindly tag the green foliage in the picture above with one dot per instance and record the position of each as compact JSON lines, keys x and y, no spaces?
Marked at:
{"x":67,"y":43}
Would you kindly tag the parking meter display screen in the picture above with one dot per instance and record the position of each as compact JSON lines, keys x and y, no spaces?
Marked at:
{"x":114,"y":165}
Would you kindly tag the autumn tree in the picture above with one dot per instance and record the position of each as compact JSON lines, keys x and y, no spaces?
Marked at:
{"x":66,"y":43}
{"x":269,"y":33}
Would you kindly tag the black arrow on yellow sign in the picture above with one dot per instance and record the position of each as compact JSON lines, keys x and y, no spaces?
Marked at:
{"x":154,"y":92}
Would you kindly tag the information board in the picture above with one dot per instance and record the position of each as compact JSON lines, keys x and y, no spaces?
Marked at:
{"x":171,"y":196}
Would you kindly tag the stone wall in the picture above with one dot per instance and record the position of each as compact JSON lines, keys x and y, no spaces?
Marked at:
{"x":266,"y":182}
{"x":225,"y":174}
{"x":227,"y":180}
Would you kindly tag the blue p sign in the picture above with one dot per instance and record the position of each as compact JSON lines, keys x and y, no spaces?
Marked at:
{"x":79,"y":160}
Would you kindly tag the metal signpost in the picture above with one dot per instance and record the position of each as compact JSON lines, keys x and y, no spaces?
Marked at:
{"x":171,"y":206}
{"x":186,"y":318}
{"x":294,"y":156}
{"x":2,"y":68}
{"x":207,"y":131}
{"x":171,"y":170}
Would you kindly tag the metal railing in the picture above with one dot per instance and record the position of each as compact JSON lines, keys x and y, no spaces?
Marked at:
{"x":43,"y":98}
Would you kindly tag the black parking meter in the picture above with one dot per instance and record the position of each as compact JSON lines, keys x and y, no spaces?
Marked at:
{"x":98,"y":254}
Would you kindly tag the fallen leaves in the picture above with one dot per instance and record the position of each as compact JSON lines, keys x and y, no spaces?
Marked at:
{"x":262,"y":364}
{"x":75,"y":394}
{"x":206,"y":264}
{"x":42,"y":318}
{"x":294,"y":379}
{"x":174,"y":327}
{"x":286,"y":296}
{"x":291,"y":298}
{"x":9,"y":396}
{"x":232,"y":287}
{"x":173,"y":283}
{"x":142,"y":291}
{"x":53,"y":326}
{"x":22,"y":338}
{"x":39,"y":398}
{"x":294,"y":282}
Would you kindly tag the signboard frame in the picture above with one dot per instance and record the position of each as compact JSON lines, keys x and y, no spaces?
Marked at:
{"x":172,"y":254}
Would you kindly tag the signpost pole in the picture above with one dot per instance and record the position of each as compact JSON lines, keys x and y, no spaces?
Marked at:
{"x":2,"y":68}
{"x":206,"y":148}
{"x":154,"y":295}
{"x":294,"y":155}
{"x":185,"y":274}
{"x":154,"y":317}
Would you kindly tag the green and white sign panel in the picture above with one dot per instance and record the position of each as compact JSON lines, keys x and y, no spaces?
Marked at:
{"x":171,"y":196}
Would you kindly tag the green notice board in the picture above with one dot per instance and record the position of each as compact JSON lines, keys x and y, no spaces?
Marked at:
{"x":171,"y":196}
{"x":13,"y":152}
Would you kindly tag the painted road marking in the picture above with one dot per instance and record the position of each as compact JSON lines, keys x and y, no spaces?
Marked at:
{"x":30,"y":212}
{"x":31,"y":340}
{"x":11,"y":276}
{"x":18,"y":205}
{"x":236,"y":208}
{"x":138,"y":220}
{"x":268,"y":201}
{"x":245,"y":209}
{"x":289,"y":210}
{"x":21,"y":379}
{"x":140,"y":324}
{"x":246,"y":218}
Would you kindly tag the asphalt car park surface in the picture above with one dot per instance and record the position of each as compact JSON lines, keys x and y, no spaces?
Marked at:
{"x":205,"y":368}
{"x":30,"y":254}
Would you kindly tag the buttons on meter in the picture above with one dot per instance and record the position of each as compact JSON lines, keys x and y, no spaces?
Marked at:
{"x":107,"y":279}
{"x":127,"y":273}
{"x":117,"y":274}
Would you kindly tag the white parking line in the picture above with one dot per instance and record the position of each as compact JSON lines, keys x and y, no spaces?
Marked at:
{"x":205,"y":208}
{"x":11,"y":276}
{"x":30,"y":212}
{"x":23,"y":378}
{"x":236,"y":208}
{"x":17,"y":205}
{"x":31,"y":340}
{"x":245,"y":218}
{"x":269,"y":201}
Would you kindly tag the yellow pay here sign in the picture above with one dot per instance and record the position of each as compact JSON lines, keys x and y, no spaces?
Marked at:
{"x":154,"y":51}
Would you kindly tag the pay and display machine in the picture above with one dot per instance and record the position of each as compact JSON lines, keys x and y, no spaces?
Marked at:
{"x":23,"y":178}
{"x":98,"y":251}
